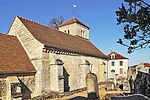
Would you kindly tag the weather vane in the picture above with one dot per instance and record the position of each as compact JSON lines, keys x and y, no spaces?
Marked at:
{"x":74,"y":8}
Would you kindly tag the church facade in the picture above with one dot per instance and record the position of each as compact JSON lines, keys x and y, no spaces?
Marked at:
{"x":60,"y":59}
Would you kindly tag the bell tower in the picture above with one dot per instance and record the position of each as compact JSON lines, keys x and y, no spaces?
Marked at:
{"x":75,"y":27}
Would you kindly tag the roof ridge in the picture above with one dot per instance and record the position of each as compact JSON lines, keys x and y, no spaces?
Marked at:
{"x":35,"y":22}
{"x":7,"y":35}
{"x":117,"y":54}
{"x":73,"y":20}
{"x":2,"y":33}
{"x":46,"y":35}
{"x":50,"y":27}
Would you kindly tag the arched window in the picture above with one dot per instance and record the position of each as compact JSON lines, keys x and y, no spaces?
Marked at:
{"x":113,"y":56}
{"x":113,"y":73}
{"x":59,"y":62}
{"x":82,"y":33}
{"x":68,"y":31}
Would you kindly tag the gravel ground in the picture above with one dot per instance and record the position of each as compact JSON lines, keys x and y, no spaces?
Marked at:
{"x":103,"y":93}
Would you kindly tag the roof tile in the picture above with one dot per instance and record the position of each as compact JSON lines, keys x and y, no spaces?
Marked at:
{"x":73,"y":20}
{"x":57,"y":39}
{"x":146,"y":64}
{"x":117,"y":56}
{"x":13,"y":58}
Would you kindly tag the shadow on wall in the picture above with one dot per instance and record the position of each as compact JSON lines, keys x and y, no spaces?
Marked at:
{"x":66,"y":80}
{"x":93,"y":95}
{"x":78,"y":98}
{"x":26,"y":92}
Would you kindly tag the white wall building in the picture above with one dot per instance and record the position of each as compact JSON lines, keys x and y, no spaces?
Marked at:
{"x":117,"y":65}
{"x":143,"y":67}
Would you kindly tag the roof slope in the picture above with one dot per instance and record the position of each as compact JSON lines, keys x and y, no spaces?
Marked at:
{"x":117,"y":56}
{"x":57,"y":39}
{"x":146,"y":64}
{"x":73,"y":20}
{"x":13,"y":58}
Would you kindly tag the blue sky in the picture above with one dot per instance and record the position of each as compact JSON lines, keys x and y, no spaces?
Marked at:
{"x":99,"y":15}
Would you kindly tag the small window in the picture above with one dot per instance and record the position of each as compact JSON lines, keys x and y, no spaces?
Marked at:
{"x":112,"y":63}
{"x":65,"y":31}
{"x":113,"y":56}
{"x":121,"y":63}
{"x":16,"y":89}
{"x":121,"y":70}
{"x":68,"y":31}
{"x":82,"y":33}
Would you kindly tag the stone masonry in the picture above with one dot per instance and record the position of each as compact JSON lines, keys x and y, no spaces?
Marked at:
{"x":50,"y":76}
{"x":142,"y":84}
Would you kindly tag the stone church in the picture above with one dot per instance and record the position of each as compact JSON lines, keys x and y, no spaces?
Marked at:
{"x":35,"y":58}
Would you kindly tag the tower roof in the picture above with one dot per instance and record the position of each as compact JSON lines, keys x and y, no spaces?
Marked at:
{"x":73,"y":20}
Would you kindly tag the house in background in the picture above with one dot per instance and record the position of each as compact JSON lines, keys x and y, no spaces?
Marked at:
{"x":47,"y":59}
{"x":143,"y":67}
{"x":117,"y":65}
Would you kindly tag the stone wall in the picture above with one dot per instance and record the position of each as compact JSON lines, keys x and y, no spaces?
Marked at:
{"x":33,"y":48}
{"x":13,"y":87}
{"x":73,"y":73}
{"x":75,"y":29}
{"x":142,"y":84}
{"x":3,"y":88}
{"x":28,"y":85}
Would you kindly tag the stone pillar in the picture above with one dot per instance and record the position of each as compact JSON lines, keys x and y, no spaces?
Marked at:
{"x":60,"y":78}
{"x":3,"y":89}
{"x":92,"y":86}
{"x":85,"y":67}
{"x":56,"y":76}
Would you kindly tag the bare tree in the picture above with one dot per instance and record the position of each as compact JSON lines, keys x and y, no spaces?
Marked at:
{"x":135,"y":17}
{"x":55,"y":22}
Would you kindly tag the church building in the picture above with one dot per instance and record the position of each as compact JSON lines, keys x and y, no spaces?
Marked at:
{"x":36,"y":59}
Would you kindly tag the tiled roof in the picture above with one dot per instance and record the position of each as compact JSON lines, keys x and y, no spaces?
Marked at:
{"x":146,"y":64}
{"x":117,"y":56}
{"x":73,"y":20}
{"x":13,"y":58}
{"x":60,"y":40}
